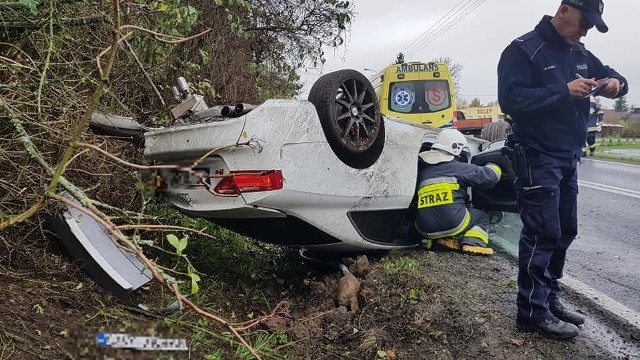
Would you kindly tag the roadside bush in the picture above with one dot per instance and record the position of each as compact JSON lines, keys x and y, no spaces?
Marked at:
{"x":632,"y":130}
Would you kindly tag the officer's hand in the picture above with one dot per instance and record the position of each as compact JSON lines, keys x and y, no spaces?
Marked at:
{"x":578,"y":88}
{"x":611,"y":89}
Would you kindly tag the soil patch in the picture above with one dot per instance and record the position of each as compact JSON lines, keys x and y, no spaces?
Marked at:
{"x":411,"y":305}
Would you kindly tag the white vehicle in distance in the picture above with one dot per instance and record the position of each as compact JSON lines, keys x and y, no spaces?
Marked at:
{"x":330,"y":174}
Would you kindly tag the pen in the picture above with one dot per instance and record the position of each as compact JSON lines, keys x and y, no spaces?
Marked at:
{"x":578,"y":76}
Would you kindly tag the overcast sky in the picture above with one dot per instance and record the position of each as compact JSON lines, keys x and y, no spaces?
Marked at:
{"x":382,"y":29}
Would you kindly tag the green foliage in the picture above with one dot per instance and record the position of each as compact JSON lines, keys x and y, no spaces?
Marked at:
{"x":234,"y":258}
{"x":217,"y":355}
{"x":38,"y":309}
{"x":31,"y":4}
{"x":632,"y":130}
{"x":167,"y":17}
{"x":173,"y":17}
{"x":468,"y":299}
{"x":621,"y":104}
{"x":266,"y":344}
{"x":475,"y":102}
{"x":511,"y":284}
{"x":439,"y":335}
{"x":194,"y":279}
{"x":412,"y":296}
{"x":295,"y":31}
{"x":179,"y":245}
{"x":400,"y":266}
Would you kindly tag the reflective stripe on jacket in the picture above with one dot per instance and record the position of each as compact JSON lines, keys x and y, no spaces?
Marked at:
{"x":596,"y":115}
{"x":442,"y":195}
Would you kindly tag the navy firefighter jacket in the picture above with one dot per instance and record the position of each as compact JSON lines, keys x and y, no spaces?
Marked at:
{"x":533,"y":73}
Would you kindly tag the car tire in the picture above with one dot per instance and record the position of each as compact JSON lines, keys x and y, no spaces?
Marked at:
{"x":350,"y":117}
{"x":496,"y":131}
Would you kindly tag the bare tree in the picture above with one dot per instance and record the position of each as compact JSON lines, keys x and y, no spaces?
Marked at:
{"x":456,"y":73}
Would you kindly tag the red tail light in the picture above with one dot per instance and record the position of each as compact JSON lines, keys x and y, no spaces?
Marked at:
{"x":455,"y":119}
{"x":239,"y":182}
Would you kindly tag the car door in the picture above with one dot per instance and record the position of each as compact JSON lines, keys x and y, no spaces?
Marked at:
{"x":501,"y":197}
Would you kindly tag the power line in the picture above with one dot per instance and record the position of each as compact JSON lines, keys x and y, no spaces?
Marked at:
{"x":443,"y":21}
{"x":451,"y":24}
{"x":452,"y":21}
{"x":446,"y":22}
{"x":426,"y":32}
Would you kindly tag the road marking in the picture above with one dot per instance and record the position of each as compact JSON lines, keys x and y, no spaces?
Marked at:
{"x":611,"y":162}
{"x":611,"y":189}
{"x":626,"y":314}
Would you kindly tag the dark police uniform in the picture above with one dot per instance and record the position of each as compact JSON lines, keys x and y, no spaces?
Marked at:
{"x":533,"y":73}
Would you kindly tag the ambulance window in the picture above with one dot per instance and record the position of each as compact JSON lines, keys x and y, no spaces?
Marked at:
{"x":436,"y":95}
{"x":403,"y":96}
{"x":419,"y":96}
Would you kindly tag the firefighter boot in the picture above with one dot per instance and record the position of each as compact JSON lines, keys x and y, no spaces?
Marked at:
{"x":566,"y":315}
{"x":476,"y":241}
{"x":442,"y":244}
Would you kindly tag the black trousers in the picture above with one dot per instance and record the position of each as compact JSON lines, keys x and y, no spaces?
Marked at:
{"x":548,"y":209}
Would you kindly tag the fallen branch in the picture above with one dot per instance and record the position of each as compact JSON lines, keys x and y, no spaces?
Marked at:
{"x":158,"y":36}
{"x":17,"y":4}
{"x":164,"y":228}
{"x":157,"y":275}
{"x":146,"y":74}
{"x":124,"y":162}
{"x":63,"y":22}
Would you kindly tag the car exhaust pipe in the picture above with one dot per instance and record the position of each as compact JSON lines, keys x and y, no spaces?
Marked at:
{"x":176,"y":94}
{"x":227,"y":111}
{"x":239,"y":110}
{"x":183,"y":86}
{"x":242,"y":109}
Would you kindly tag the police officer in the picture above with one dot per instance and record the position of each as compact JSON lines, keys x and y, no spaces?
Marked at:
{"x":593,"y":126}
{"x":543,"y":78}
{"x":442,"y":196}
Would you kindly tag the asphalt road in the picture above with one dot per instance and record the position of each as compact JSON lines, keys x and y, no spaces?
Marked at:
{"x":606,"y":252}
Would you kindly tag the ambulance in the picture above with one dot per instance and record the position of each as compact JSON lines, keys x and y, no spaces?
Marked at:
{"x":417,"y":92}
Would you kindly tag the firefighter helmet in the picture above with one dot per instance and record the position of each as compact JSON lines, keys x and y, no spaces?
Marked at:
{"x":451,"y":141}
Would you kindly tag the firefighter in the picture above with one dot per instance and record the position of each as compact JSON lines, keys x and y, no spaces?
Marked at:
{"x":595,"y":119}
{"x":443,"y":216}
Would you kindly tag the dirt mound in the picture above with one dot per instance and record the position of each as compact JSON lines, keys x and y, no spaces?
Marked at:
{"x":411,"y":305}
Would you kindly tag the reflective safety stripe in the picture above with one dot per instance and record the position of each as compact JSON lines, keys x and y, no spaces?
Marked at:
{"x":478,"y":233}
{"x":453,"y":232}
{"x":444,"y":179}
{"x":436,"y":194}
{"x":497,"y":169}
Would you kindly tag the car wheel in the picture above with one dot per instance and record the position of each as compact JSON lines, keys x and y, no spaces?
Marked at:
{"x":495,"y":131}
{"x":350,"y":117}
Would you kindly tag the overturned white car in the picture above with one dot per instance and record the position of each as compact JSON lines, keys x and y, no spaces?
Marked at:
{"x":328,"y":174}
